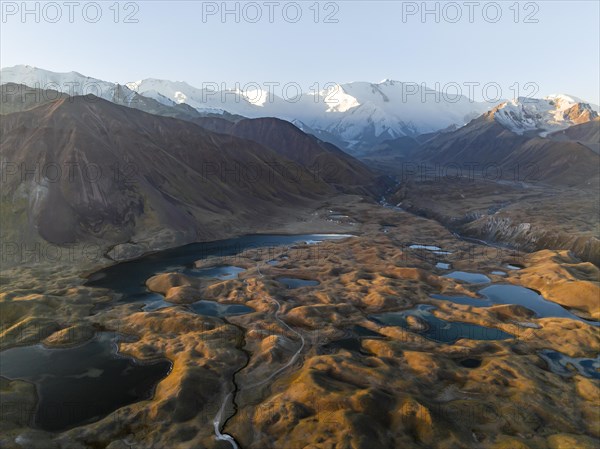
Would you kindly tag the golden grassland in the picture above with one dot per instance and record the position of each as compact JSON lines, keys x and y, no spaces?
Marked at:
{"x":400,"y":391}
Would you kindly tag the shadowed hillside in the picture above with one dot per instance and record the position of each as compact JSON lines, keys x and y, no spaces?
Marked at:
{"x":82,"y":168}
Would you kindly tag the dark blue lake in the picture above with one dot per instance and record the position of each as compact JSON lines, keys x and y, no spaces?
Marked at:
{"x":128,"y":278}
{"x":81,"y":384}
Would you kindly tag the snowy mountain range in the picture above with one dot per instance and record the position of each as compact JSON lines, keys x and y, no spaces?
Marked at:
{"x":358,"y":114}
{"x":354,"y":116}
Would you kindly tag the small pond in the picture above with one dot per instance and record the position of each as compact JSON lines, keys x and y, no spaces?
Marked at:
{"x":566,"y":366}
{"x":296,"y":282}
{"x":471,"y":278}
{"x":437,"y":329}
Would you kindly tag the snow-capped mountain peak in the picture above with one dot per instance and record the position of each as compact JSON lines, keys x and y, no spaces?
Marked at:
{"x":337,"y":99}
{"x":544,"y":115}
{"x":72,"y":83}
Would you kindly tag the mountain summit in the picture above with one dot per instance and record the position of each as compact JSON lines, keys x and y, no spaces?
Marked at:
{"x":543,"y":116}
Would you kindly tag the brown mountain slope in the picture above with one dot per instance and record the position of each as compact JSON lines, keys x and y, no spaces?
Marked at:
{"x":526,"y":191}
{"x":586,"y":133}
{"x":82,"y":168}
{"x":18,"y":97}
{"x":527,"y":158}
{"x":325,"y":160}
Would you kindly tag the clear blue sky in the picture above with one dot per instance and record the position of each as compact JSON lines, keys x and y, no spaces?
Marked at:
{"x":369,"y":42}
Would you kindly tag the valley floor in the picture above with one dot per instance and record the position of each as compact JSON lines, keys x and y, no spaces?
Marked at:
{"x":529,"y":216}
{"x":331,"y":365}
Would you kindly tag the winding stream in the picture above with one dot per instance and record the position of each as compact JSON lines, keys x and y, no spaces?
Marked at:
{"x":219,"y":419}
{"x":293,"y":359}
{"x":217,"y":424}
